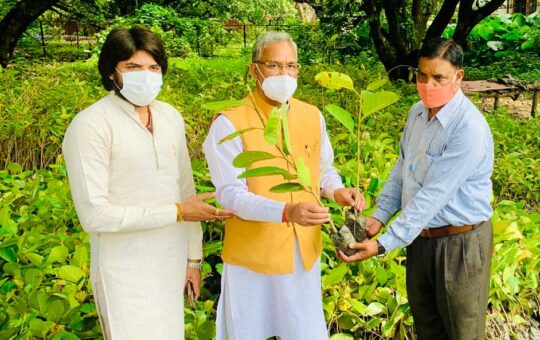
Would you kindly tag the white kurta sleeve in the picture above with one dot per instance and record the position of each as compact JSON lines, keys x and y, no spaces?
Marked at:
{"x":330,"y":179}
{"x":187,"y":189}
{"x":86,"y":148}
{"x":232,"y":193}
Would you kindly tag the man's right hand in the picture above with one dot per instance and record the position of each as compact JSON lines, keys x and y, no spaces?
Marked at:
{"x":195,"y":209}
{"x":306,"y":214}
{"x":373,"y":226}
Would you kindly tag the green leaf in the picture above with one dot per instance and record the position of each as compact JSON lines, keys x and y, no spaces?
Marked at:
{"x":247,"y":158}
{"x":373,"y":102}
{"x":206,"y":330}
{"x":285,"y":129}
{"x":235,"y":134}
{"x":334,"y":80}
{"x":9,"y":254}
{"x":374,"y":308}
{"x":343,"y":116}
{"x":304,"y":174}
{"x":56,"y":308}
{"x":212,"y":248}
{"x":271,"y":129}
{"x":88,"y":308}
{"x":381,"y":275}
{"x":70,"y":273}
{"x":223,"y":104}
{"x":33,"y":277}
{"x":267,"y":171}
{"x":376,"y":84}
{"x":341,"y":336}
{"x":335,"y":275}
{"x":35,"y":259}
{"x":58,"y":253}
{"x":373,"y":186}
{"x":39,"y":327}
{"x":287,"y":187}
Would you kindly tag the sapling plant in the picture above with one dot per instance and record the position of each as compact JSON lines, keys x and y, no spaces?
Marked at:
{"x":369,"y":102}
{"x":297,"y":176}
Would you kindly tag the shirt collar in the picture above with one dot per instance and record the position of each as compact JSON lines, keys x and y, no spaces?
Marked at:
{"x":127,"y":106}
{"x":448,"y":112}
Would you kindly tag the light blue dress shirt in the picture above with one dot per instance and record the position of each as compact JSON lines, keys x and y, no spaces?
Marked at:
{"x":442,"y":175}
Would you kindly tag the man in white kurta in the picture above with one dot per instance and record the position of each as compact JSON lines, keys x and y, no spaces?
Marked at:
{"x":261,"y":296}
{"x":125,"y":181}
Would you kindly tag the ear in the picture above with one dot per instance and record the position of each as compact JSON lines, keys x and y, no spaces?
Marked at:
{"x":255,"y":73}
{"x":459,"y":76}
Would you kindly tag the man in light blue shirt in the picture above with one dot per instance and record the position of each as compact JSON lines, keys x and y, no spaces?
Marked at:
{"x":441,"y":184}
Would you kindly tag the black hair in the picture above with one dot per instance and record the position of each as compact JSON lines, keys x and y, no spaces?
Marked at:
{"x":444,"y":48}
{"x":122,"y":43}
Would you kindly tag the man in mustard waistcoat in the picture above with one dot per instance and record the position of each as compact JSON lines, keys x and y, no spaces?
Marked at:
{"x":271,"y":274}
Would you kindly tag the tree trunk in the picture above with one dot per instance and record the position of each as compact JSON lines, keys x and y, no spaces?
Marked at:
{"x":397,"y":41}
{"x":15,"y":23}
{"x":469,"y":17}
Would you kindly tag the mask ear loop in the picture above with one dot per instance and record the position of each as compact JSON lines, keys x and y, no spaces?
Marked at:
{"x":114,"y":79}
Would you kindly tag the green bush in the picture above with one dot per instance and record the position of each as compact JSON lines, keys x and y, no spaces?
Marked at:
{"x":44,"y":288}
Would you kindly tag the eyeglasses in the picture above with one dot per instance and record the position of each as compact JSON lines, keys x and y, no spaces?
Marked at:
{"x":275,"y":67}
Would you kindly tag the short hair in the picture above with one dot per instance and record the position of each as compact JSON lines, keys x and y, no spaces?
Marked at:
{"x":269,"y":38}
{"x":122,"y":43}
{"x":447,"y":49}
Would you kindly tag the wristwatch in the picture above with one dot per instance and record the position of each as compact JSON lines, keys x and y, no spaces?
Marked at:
{"x":194,"y":265}
{"x":380,"y":248}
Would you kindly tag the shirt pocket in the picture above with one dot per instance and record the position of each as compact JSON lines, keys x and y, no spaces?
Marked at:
{"x":422,"y":164}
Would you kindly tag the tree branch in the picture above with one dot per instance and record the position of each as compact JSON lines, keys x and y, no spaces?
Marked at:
{"x":442,"y":19}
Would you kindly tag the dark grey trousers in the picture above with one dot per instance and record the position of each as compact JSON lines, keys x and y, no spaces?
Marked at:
{"x":448,"y":284}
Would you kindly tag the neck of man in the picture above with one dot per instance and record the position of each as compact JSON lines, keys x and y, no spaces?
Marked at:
{"x":265,"y":98}
{"x":433,"y":112}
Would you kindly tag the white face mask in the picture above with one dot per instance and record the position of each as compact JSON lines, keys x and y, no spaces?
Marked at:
{"x":141,"y":87}
{"x":279,"y":88}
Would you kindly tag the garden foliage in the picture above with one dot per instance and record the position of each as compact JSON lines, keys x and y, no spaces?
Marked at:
{"x":44,"y":254}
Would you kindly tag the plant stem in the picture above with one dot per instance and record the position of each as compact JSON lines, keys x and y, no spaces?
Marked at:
{"x":360,"y":119}
{"x":332,"y":225}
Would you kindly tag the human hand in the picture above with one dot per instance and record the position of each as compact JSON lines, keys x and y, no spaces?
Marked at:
{"x":195,"y":209}
{"x":193,"y":284}
{"x":350,"y":197}
{"x":366,"y":249}
{"x":306,"y":214}
{"x":373,"y":226}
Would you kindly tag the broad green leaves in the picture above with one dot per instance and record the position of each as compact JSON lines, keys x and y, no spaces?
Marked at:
{"x":376,"y":84}
{"x":247,"y":158}
{"x":335,"y":275}
{"x":267,"y":171}
{"x":223,"y":104}
{"x":304,"y":174}
{"x":287,"y":187}
{"x":285,"y":130}
{"x":235,"y":134}
{"x":71,"y":273}
{"x":334,"y":80}
{"x":375,"y":101}
{"x":272,"y":127}
{"x":343,"y":116}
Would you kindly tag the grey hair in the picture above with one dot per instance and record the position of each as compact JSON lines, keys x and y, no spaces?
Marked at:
{"x":269,"y":38}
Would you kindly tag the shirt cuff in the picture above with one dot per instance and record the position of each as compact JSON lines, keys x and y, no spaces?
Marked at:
{"x":382,"y":215}
{"x":166,"y":215}
{"x":389,"y":242}
{"x":195,"y":251}
{"x":328,"y":191}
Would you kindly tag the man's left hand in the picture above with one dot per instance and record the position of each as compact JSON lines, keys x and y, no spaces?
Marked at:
{"x":366,"y":249}
{"x":350,"y":197}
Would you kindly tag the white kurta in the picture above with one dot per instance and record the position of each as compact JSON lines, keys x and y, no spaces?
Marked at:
{"x":254,"y":306}
{"x":125,"y":182}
